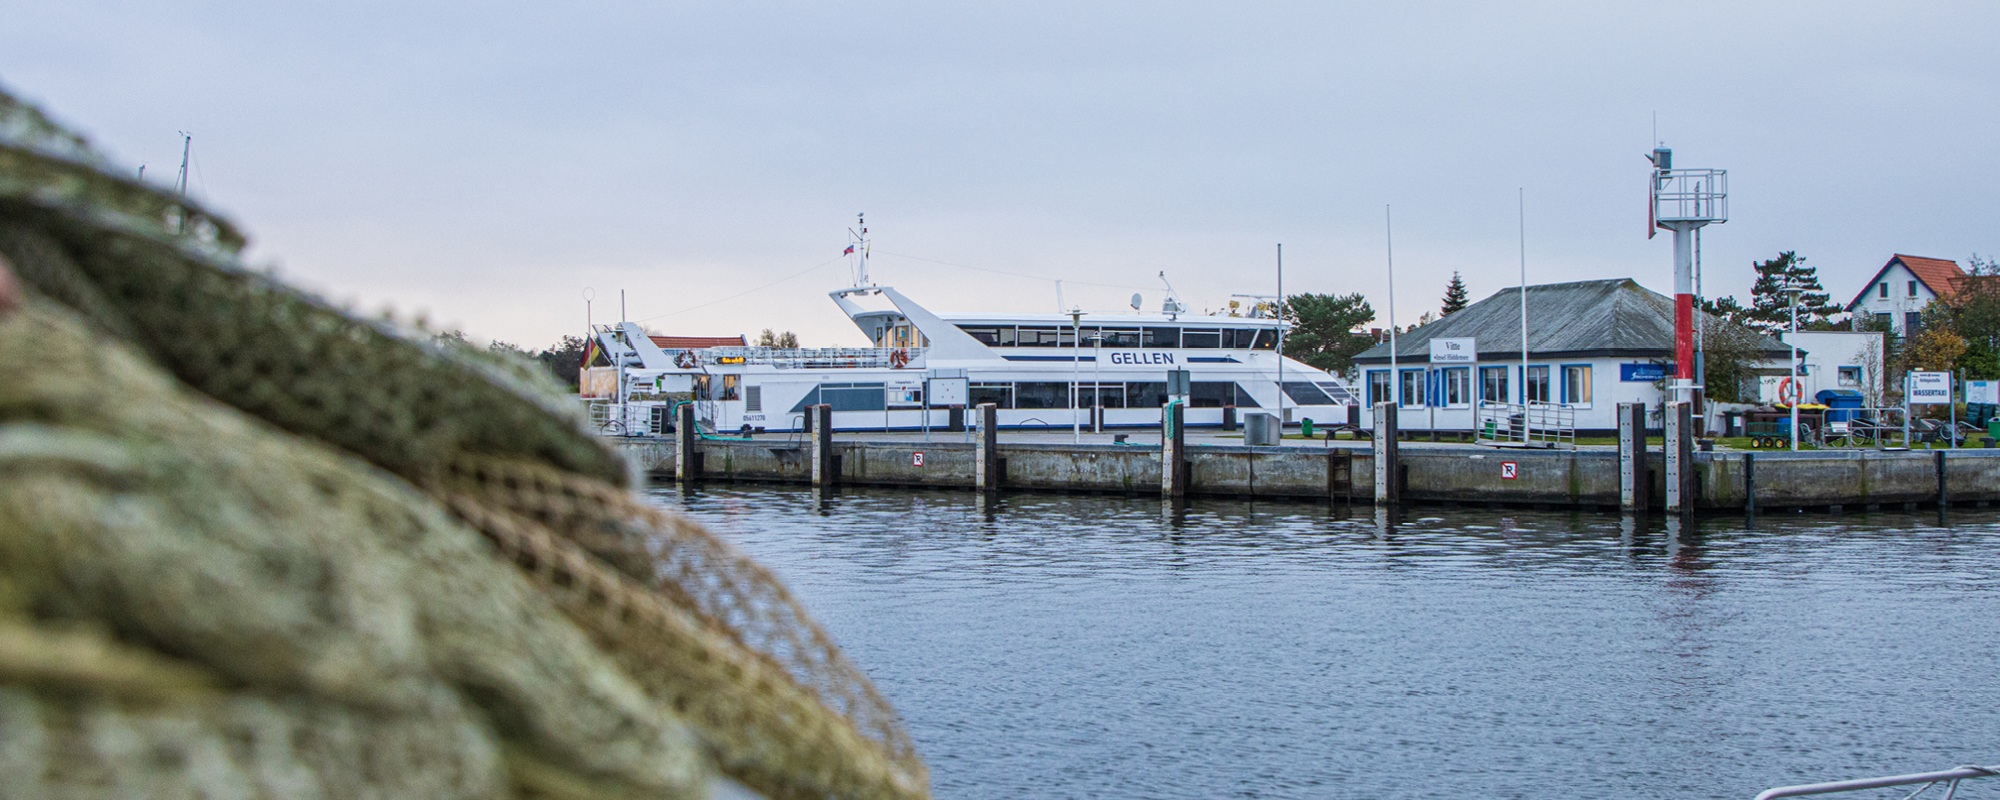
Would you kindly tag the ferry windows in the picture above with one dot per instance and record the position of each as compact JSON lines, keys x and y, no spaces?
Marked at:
{"x":1458,"y":386}
{"x":853,"y":396}
{"x":729,"y":383}
{"x":1537,"y":383}
{"x":1576,"y":384}
{"x":1041,"y":395}
{"x":1241,"y":338}
{"x":1206,"y":340}
{"x":1413,"y":387}
{"x":1341,"y":396}
{"x":1001,"y":395}
{"x":990,"y":335}
{"x":1378,"y":386}
{"x":1162,"y":337}
{"x":1306,"y":394}
{"x":1212,"y":394}
{"x":1110,"y":395}
{"x":1493,"y":385}
{"x":1267,"y":339}
{"x":1126,"y":337}
{"x":1040,"y":336}
{"x":1151,"y":394}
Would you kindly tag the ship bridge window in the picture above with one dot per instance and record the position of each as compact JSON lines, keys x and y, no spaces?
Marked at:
{"x":1161,"y":337}
{"x":1267,"y":339}
{"x":1203,"y":339}
{"x":991,"y":335}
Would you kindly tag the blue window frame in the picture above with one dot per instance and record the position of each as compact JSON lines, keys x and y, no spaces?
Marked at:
{"x":1493,"y":383}
{"x":1577,"y":380}
{"x":1412,"y":385}
{"x":1378,"y":387}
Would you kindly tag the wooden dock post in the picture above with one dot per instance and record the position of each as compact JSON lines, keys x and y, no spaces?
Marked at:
{"x":1680,"y":457}
{"x":1634,"y":490}
{"x":819,"y":421}
{"x":1173,"y":451}
{"x":986,"y":466}
{"x":1388,"y":467}
{"x":687,"y":444}
{"x":1750,"y":484}
{"x":1944,"y":498}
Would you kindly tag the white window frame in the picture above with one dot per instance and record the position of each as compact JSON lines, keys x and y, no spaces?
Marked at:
{"x":1465,"y":388}
{"x":1589,"y":378}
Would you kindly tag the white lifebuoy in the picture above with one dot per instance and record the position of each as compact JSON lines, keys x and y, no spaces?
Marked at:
{"x":685,"y":360}
{"x":899,"y":359}
{"x":1790,"y":387}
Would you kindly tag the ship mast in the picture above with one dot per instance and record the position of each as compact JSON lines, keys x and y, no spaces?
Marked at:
{"x":857,"y":250}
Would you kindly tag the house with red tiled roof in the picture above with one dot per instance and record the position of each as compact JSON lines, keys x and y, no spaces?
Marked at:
{"x":1900,"y":290}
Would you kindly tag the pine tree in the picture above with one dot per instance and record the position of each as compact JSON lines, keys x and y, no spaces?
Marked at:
{"x":1454,"y":295}
{"x":1771,"y":304}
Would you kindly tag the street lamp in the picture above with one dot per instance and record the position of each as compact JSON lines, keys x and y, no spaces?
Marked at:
{"x":1798,"y":387}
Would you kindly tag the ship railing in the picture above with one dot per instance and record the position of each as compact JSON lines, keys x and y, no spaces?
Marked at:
{"x":1526,"y":424}
{"x":1947,"y":778}
{"x":808,"y":357}
{"x":1691,"y":195}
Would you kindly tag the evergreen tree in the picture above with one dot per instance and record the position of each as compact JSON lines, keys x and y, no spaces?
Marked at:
{"x":1454,"y":295}
{"x":1323,"y":329}
{"x":1771,"y":305}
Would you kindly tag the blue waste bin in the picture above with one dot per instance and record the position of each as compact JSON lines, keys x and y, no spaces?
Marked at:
{"x":1843,"y":405}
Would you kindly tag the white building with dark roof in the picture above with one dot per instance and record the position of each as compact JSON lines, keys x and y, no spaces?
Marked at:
{"x":1591,"y":345}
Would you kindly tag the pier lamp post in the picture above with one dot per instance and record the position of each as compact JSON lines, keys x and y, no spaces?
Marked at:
{"x":1793,"y":286}
{"x":1097,"y":381}
{"x":1075,"y":366}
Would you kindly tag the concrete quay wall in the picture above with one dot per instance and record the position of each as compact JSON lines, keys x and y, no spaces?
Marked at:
{"x":1576,"y":478}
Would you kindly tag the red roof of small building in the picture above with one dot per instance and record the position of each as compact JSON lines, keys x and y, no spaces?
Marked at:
{"x":1941,"y":276}
{"x":695,"y":342}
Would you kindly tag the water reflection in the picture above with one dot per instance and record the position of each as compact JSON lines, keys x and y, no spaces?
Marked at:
{"x":1075,"y":646}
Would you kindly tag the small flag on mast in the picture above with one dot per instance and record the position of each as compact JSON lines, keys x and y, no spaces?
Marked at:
{"x":849,"y":251}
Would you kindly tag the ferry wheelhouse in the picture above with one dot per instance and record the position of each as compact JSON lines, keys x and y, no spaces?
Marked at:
{"x":924,"y":370}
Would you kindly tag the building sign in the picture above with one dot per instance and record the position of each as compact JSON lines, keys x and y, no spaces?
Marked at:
{"x":1454,"y":351}
{"x":1983,"y":392}
{"x":916,"y":459}
{"x":1510,"y":470}
{"x":1642,"y":373}
{"x":1930,"y":388}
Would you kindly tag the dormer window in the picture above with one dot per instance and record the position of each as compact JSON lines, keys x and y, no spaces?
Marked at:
{"x":1913,"y":288}
{"x":1885,"y":291}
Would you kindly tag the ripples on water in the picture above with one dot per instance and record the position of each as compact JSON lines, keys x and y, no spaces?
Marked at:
{"x":1092,"y":647}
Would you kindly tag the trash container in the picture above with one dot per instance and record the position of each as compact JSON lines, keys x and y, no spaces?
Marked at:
{"x":1306,"y":427}
{"x":1843,"y":405}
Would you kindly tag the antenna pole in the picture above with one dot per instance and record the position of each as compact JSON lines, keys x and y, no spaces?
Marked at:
{"x":187,"y":145}
{"x":1389,"y":239}
{"x":1281,"y":341}
{"x":1527,"y":426}
{"x":621,"y":306}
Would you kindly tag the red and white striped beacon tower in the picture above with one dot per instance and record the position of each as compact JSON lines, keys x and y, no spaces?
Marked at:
{"x":1683,"y":200}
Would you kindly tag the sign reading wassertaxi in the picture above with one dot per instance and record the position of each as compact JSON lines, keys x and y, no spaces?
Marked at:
{"x":1930,"y":388}
{"x":1454,"y":351}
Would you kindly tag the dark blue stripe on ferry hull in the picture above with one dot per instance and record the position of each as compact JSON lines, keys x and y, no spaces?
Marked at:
{"x":1048,"y":358}
{"x":1213,"y":360}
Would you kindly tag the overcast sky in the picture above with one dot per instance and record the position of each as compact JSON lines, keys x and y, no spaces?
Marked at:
{"x":487,"y":164}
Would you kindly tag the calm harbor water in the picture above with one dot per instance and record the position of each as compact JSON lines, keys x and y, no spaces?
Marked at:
{"x":1100,"y":647}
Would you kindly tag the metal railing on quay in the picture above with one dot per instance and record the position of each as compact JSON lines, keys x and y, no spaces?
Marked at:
{"x":1526,"y":424}
{"x":1948,"y":779}
{"x":809,"y":357}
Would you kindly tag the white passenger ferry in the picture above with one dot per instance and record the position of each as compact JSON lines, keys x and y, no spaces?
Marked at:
{"x":1056,"y":371}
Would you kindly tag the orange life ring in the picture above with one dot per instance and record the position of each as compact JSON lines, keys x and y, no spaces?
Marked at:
{"x":1790,"y":387}
{"x":685,"y":360}
{"x":899,"y":359}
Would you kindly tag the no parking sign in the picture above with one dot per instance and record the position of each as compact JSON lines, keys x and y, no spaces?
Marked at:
{"x":1509,"y":470}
